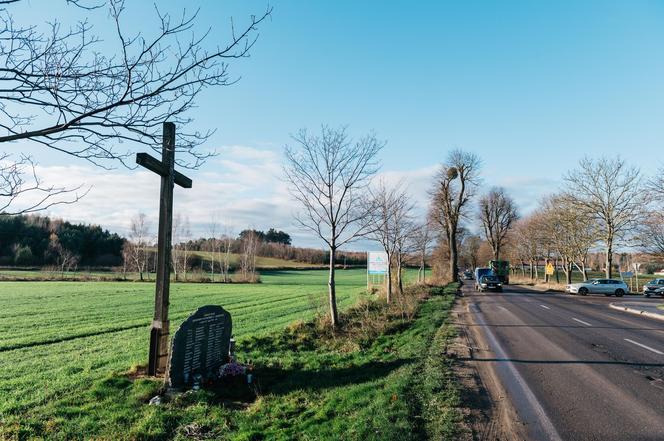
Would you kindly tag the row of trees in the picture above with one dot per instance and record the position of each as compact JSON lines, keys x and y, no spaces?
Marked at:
{"x":220,"y":247}
{"x":604,"y":204}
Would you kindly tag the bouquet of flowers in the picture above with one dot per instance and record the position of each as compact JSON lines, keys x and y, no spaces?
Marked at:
{"x":232,"y":369}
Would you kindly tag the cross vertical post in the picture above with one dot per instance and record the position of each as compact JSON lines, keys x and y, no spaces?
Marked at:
{"x":160,"y":324}
{"x":159,"y":331}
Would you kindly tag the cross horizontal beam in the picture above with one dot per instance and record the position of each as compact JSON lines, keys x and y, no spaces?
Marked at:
{"x":155,"y":165}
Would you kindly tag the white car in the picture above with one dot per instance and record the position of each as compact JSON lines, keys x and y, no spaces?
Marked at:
{"x":608,"y":287}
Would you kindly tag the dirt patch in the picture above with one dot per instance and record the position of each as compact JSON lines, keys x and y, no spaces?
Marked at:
{"x":488,"y":412}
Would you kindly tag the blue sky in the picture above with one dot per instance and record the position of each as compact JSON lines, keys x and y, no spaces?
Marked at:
{"x":529,"y":86}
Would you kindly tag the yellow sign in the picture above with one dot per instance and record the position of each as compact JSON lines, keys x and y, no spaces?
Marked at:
{"x":549,"y":269}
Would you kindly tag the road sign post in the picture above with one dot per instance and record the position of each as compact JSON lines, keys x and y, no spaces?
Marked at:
{"x":377,"y":262}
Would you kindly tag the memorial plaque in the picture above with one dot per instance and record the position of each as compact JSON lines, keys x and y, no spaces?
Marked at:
{"x":200,"y":346}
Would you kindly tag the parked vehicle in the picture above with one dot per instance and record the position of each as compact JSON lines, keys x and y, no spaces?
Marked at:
{"x":479,"y":273}
{"x":490,"y":283}
{"x":467,"y":275}
{"x":654,"y":287}
{"x":501,"y":268}
{"x":608,"y":287}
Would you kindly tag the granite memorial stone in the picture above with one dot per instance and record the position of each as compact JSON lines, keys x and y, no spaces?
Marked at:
{"x":200,"y":346}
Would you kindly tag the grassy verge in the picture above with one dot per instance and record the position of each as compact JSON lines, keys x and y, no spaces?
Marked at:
{"x":385,"y":377}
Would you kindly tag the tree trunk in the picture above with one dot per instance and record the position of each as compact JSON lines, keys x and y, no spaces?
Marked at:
{"x":454,"y":264}
{"x":388,"y":287}
{"x":568,"y":272}
{"x":584,"y":271}
{"x":555,"y":266}
{"x":609,"y":260}
{"x":532,"y":271}
{"x":399,"y":279}
{"x":334,"y":317}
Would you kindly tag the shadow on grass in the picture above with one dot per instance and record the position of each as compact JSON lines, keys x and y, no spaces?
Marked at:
{"x":279,"y":381}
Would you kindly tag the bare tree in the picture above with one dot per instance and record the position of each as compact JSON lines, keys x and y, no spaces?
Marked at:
{"x":497,"y":214}
{"x":651,"y":231}
{"x":227,"y":242}
{"x":139,"y":234}
{"x":652,"y":234}
{"x":613,"y":195}
{"x":571,"y":233}
{"x":470,"y":247}
{"x":61,"y":88}
{"x":328,"y":175}
{"x":532,"y":242}
{"x":66,"y":259}
{"x":456,"y":184}
{"x":656,"y":185}
{"x":421,"y":239}
{"x":176,"y":250}
{"x":250,"y":244}
{"x":391,"y":227}
{"x":214,"y":244}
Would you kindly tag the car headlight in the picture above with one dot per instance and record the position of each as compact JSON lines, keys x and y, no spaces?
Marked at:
{"x":500,"y":284}
{"x":483,"y":284}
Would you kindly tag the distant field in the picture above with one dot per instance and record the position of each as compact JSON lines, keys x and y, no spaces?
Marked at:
{"x":261,"y":262}
{"x":57,"y":338}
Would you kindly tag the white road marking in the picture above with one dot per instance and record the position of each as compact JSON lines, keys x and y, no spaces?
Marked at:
{"x":581,"y":321}
{"x":533,"y":410}
{"x":644,"y":346}
{"x":545,"y":307}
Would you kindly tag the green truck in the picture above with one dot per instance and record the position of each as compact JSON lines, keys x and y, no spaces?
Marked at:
{"x":501,"y":268}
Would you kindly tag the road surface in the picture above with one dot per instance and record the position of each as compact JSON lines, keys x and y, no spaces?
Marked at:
{"x":573,"y":368}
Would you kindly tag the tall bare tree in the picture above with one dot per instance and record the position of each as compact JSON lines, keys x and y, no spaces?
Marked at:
{"x":497,"y":213}
{"x":613,"y":195}
{"x":139,"y":235}
{"x":470,"y":247}
{"x":250,"y":243}
{"x":328,"y":175}
{"x":392,"y":226}
{"x":455,"y":185}
{"x":570,"y":231}
{"x":531,"y":240}
{"x":421,"y":239}
{"x":651,"y":231}
{"x":656,"y":185}
{"x":64,"y":89}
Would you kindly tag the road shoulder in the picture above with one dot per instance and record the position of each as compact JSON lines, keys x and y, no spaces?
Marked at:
{"x":489,"y":412}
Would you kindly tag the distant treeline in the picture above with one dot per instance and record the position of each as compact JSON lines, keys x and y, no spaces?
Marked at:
{"x":33,"y":240}
{"x":280,"y":250}
{"x":27,"y":240}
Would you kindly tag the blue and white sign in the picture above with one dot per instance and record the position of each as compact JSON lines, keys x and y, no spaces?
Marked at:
{"x":377,"y":262}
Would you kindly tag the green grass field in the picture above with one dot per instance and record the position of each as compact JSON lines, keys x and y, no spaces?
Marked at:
{"x":61,"y":343}
{"x":57,"y":336}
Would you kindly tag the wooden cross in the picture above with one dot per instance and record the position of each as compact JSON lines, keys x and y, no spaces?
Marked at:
{"x":158,"y":355}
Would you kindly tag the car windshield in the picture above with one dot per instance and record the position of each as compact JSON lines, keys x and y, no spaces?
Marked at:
{"x":489,"y":279}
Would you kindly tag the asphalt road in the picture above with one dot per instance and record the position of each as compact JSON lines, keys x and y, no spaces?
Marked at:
{"x":573,"y":368}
